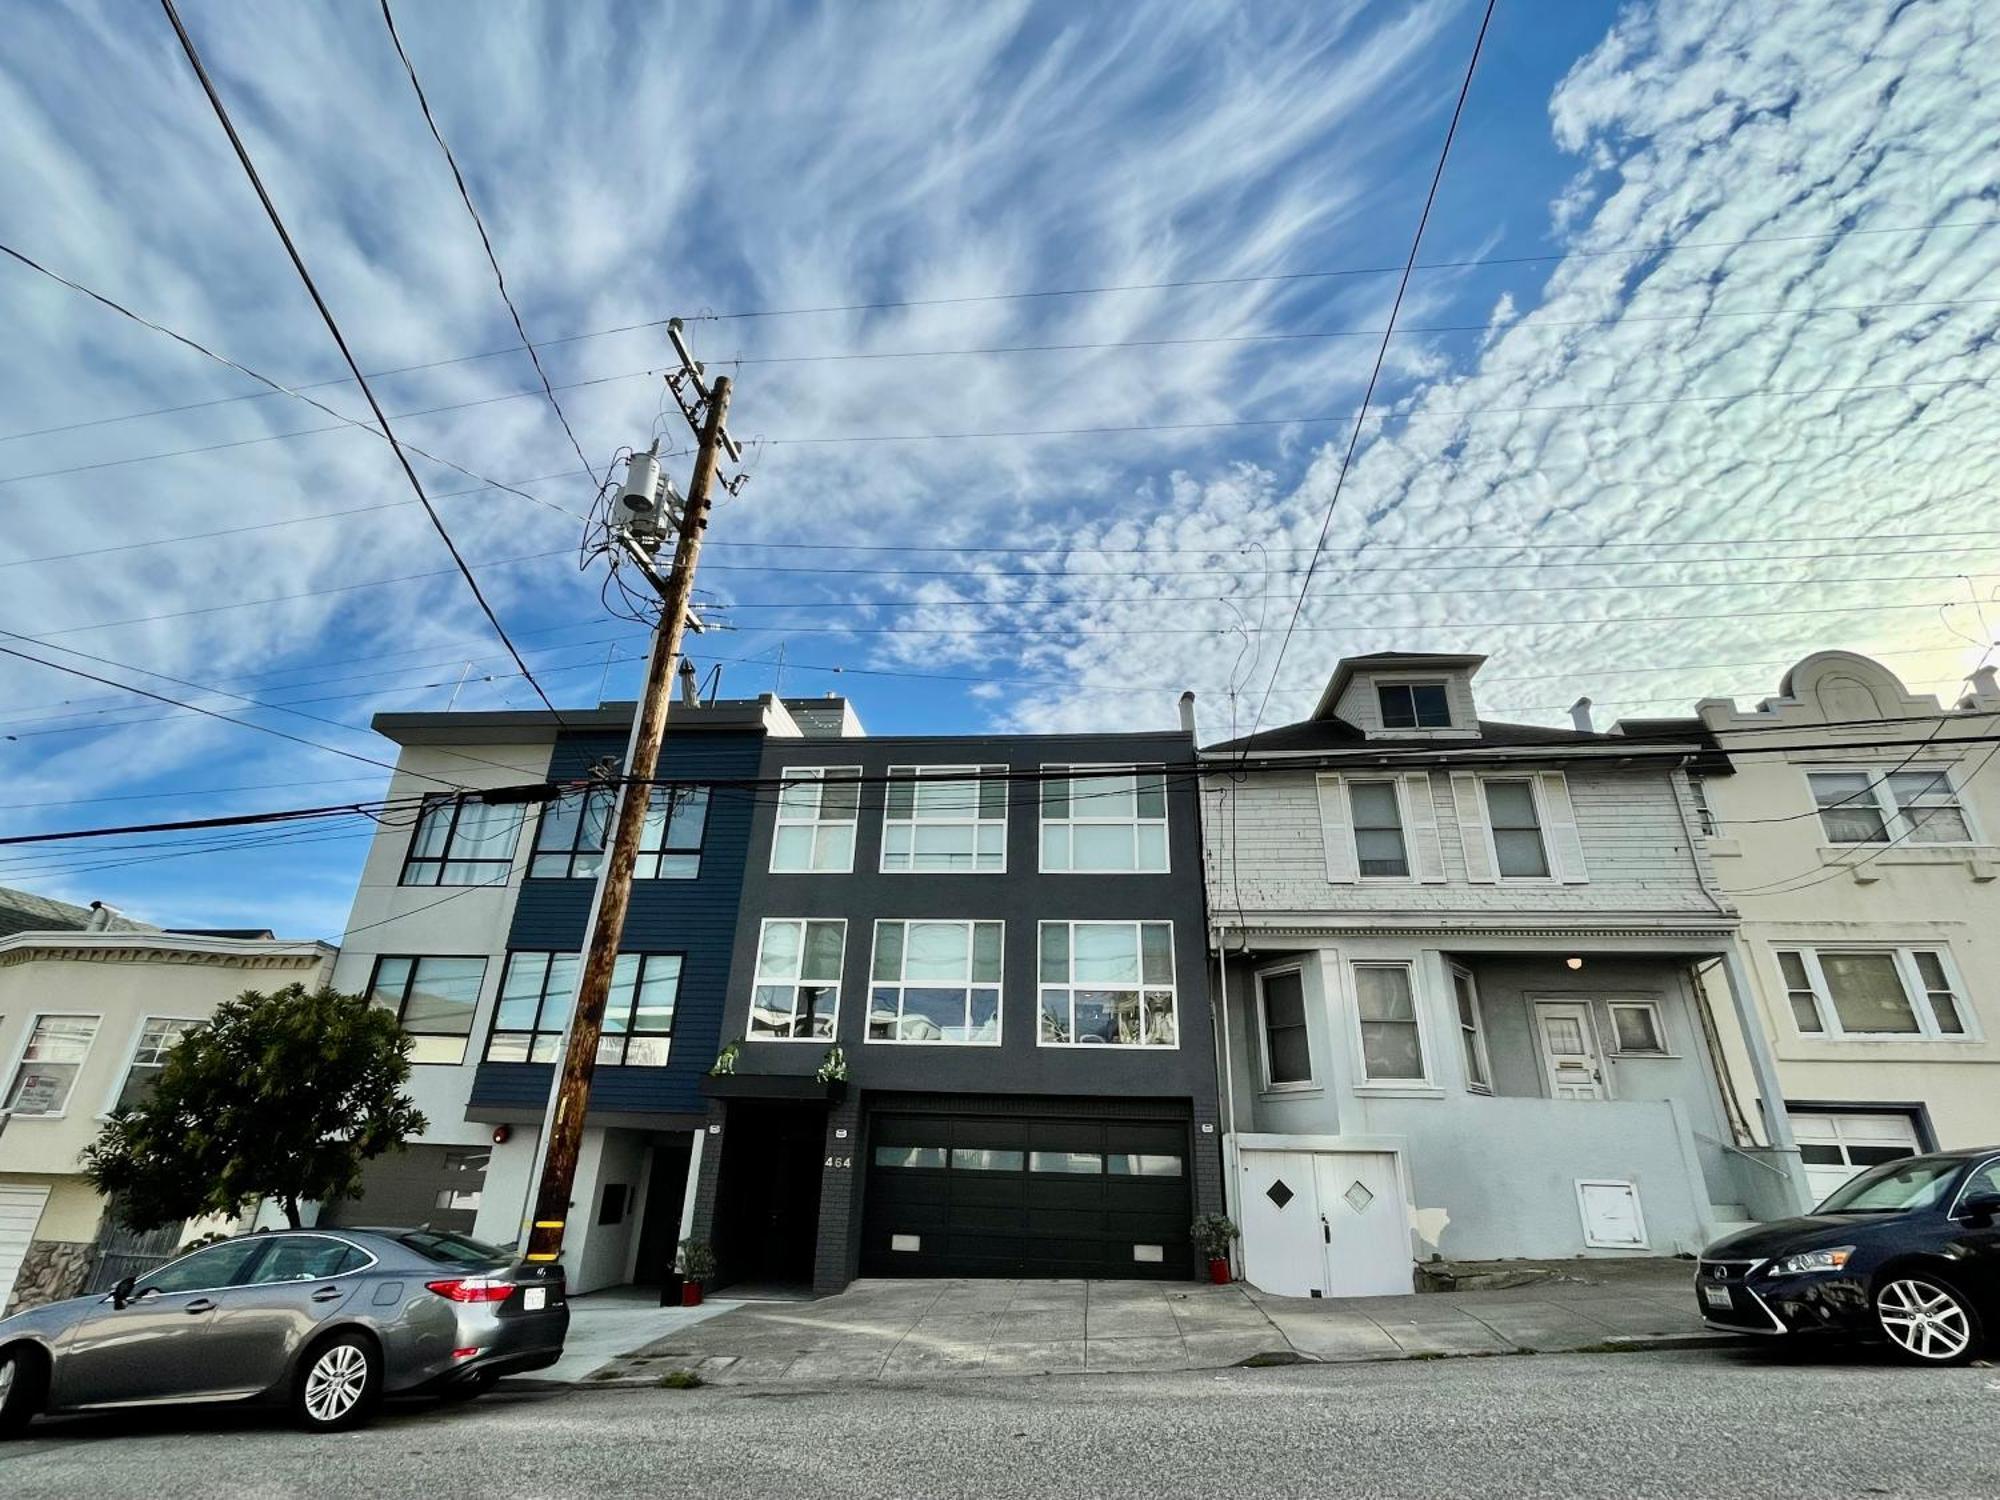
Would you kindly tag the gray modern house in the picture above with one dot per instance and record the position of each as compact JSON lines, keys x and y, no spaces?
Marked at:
{"x":969,"y":1017}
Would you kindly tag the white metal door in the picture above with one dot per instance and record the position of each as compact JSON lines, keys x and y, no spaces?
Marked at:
{"x":1611,"y":1217}
{"x":1281,"y":1232}
{"x":1837,"y":1147}
{"x":1569,"y":1050}
{"x":20,"y":1212}
{"x":1364,"y":1229}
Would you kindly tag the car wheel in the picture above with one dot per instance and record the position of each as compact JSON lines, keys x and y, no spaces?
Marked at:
{"x":338,"y":1384}
{"x":1927,"y":1320}
{"x":20,"y":1389}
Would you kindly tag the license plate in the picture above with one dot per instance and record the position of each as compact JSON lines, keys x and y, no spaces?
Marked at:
{"x":1714,"y":1296}
{"x":535,"y":1298}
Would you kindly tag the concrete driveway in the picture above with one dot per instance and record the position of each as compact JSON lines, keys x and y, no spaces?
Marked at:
{"x":893,"y":1330}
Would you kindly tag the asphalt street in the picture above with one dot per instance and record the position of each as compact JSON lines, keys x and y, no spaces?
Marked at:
{"x":1693,"y":1423}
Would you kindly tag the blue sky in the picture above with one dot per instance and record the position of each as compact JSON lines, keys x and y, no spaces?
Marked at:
{"x":1720,"y":279}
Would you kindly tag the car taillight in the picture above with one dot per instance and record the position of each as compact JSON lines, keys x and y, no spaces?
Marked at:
{"x":472,"y":1289}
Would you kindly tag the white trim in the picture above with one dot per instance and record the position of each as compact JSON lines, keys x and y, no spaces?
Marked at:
{"x":796,"y":981}
{"x":1423,"y":844}
{"x":1084,"y":770}
{"x":1618,"y":1048}
{"x":1644,"y":1241}
{"x":1069,"y":985}
{"x":1394,"y":781}
{"x":1311,"y":1082}
{"x":921,"y":773}
{"x":124,"y":1072}
{"x":1533,"y":779}
{"x":1897,"y":830}
{"x":1442,"y":682}
{"x":779,"y":822}
{"x":1363,"y":1083}
{"x":13,"y":1073}
{"x":899,"y":985}
{"x":1336,"y":829}
{"x":1453,"y":972}
{"x":1915,"y":993}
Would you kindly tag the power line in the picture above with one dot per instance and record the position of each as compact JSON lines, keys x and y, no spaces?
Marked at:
{"x":333,"y":328}
{"x":499,"y":277}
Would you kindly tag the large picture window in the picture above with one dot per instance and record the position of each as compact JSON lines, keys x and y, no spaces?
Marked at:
{"x":1104,"y":820}
{"x":576,"y":828}
{"x":945,"y":819}
{"x":462,"y":841}
{"x":1874,"y":992}
{"x":49,"y":1064}
{"x":434,"y":1000}
{"x":1908,"y":807}
{"x":1107,"y":984}
{"x":538,"y":990}
{"x":936,"y":982}
{"x":817,"y":809}
{"x":797,"y":990}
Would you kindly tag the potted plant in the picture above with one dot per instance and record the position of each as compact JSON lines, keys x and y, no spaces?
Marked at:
{"x":725,"y":1060}
{"x":1212,"y":1235}
{"x":697,"y":1268}
{"x":833,"y":1067}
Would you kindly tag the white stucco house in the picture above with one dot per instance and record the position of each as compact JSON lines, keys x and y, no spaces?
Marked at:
{"x":1855,"y":825}
{"x":1459,"y":969}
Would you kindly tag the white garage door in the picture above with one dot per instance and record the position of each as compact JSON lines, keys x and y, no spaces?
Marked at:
{"x":20,"y":1212}
{"x":1836,"y":1147}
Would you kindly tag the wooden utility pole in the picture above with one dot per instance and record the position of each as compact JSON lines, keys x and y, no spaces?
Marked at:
{"x":562,"y":1133}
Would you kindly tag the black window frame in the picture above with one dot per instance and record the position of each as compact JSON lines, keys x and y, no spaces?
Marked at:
{"x":656,"y":848}
{"x":1412,"y":717}
{"x":614,"y":1047}
{"x":413,"y":861}
{"x":375,"y":993}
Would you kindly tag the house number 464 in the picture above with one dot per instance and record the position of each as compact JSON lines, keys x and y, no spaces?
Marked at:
{"x":840,"y":1161}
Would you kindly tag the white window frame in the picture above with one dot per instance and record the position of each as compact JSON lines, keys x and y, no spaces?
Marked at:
{"x":1413,"y":682}
{"x":1394,"y":782}
{"x":132,"y":1056}
{"x":1073,"y":771}
{"x":1427,"y":1084}
{"x":1915,"y":993}
{"x":922,"y":773}
{"x":758,"y":980}
{"x":1069,"y":985}
{"x":792,"y":775}
{"x":1311,"y":1082}
{"x":1652,"y":1007}
{"x":13,"y":1074}
{"x":1897,"y":829}
{"x":971,"y":984}
{"x":1477,"y":1030}
{"x":1534,"y":784}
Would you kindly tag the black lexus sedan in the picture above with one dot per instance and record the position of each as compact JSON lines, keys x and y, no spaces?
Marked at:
{"x":1908,"y":1252}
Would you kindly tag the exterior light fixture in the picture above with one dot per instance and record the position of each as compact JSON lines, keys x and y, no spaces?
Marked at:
{"x":1574,"y":963}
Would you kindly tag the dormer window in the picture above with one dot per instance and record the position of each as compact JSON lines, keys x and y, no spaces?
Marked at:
{"x":1413,"y":705}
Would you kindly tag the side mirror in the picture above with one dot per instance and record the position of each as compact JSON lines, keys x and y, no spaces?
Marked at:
{"x":122,"y":1292}
{"x":1980,"y":1208}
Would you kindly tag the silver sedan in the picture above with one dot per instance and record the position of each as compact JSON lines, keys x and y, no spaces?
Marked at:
{"x":328,"y":1321}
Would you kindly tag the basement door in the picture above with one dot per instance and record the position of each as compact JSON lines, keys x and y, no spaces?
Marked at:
{"x":1324,"y":1223}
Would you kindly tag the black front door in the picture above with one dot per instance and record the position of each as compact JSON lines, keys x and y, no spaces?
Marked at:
{"x":660,"y":1221}
{"x":767,"y":1213}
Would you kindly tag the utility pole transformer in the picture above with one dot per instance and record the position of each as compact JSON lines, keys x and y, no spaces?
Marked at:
{"x":562,"y":1128}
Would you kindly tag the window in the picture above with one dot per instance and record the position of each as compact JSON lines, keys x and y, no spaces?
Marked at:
{"x":49,"y":1064}
{"x":1873,"y":992}
{"x":1142,"y":1165}
{"x":305,"y":1257}
{"x":1281,"y":1000}
{"x":1413,"y":705}
{"x":1471,"y":1032}
{"x":434,"y":999}
{"x":1104,"y":820}
{"x":1392,"y":1048}
{"x":1107,"y":983}
{"x":817,"y":808}
{"x":797,"y":994}
{"x":206,"y":1270}
{"x":1518,"y":850}
{"x":936,"y":982}
{"x":538,"y":991}
{"x":985,"y":1159}
{"x":1077,"y":1163}
{"x":1911,"y":807}
{"x":1704,"y":815}
{"x":463,"y":841}
{"x":465,"y":1172}
{"x":936,"y":820}
{"x":910,"y":1156}
{"x":571,"y":839}
{"x":1378,"y":830}
{"x":1637,"y":1026}
{"x":159,"y":1036}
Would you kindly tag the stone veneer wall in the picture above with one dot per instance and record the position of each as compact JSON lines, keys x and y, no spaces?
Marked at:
{"x":50,"y":1271}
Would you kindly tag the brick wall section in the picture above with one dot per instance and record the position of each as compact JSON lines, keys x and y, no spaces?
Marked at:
{"x":1270,"y":857}
{"x":837,"y":1254}
{"x":702,"y":1229}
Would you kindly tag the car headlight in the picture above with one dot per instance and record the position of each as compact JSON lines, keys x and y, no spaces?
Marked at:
{"x":1813,"y":1260}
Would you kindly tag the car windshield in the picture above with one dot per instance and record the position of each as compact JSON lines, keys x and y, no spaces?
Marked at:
{"x":453,"y":1249}
{"x":1893,"y":1187}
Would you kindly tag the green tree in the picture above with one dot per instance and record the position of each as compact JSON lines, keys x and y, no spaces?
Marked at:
{"x":279,"y":1096}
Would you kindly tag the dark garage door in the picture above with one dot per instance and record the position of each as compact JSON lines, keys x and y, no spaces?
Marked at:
{"x":956,"y":1196}
{"x":438,"y":1186}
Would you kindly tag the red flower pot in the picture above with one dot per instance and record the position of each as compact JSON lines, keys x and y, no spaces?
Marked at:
{"x":691,"y":1294}
{"x":1218,"y":1271}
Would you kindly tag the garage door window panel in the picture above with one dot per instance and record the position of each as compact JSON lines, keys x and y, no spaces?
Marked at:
{"x":1107,"y":984}
{"x":796,"y":994}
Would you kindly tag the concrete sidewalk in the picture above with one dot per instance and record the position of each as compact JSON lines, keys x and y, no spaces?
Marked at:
{"x":891,"y":1330}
